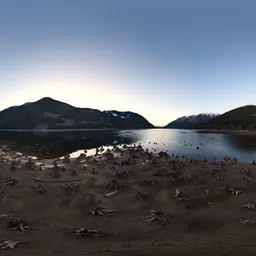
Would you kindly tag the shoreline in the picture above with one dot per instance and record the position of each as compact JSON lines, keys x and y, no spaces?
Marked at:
{"x":223,"y":131}
{"x":74,"y":130}
{"x":191,"y":201}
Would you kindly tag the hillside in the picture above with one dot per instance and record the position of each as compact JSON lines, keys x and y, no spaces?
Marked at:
{"x":123,"y":119}
{"x":240,"y":118}
{"x":48,"y":113}
{"x":189,"y":121}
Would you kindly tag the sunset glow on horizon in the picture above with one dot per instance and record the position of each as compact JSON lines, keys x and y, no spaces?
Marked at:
{"x":161,"y":59}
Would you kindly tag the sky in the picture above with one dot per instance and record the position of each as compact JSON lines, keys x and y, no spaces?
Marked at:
{"x":160,"y":58}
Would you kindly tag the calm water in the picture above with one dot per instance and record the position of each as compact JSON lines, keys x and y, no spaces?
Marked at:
{"x":181,"y":142}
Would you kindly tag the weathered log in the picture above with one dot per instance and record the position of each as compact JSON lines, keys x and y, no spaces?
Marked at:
{"x":113,"y":193}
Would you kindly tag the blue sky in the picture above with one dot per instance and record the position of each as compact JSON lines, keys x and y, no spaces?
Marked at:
{"x":162,"y":59}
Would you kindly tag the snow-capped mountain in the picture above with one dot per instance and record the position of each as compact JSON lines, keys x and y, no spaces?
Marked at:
{"x":119,"y":114}
{"x":122,"y":119}
{"x":48,"y":113}
{"x":187,"y":121}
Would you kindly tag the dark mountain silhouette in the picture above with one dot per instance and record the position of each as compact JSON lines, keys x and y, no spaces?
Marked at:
{"x":48,"y":113}
{"x":123,"y":119}
{"x":240,"y":118}
{"x":189,"y":121}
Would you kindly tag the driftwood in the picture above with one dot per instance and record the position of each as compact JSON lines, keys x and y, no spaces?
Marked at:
{"x":197,"y":183}
{"x":17,"y":224}
{"x":113,"y":184}
{"x":208,"y":191}
{"x":121,"y":174}
{"x":235,"y":191}
{"x":247,"y":174}
{"x":251,"y":205}
{"x":85,"y":232}
{"x":161,"y":217}
{"x":178,"y":195}
{"x":189,"y":206}
{"x":113,"y":193}
{"x":39,"y":189}
{"x":141,"y":196}
{"x":74,"y":180}
{"x":101,"y":211}
{"x":5,"y":215}
{"x":219,"y":177}
{"x":70,"y":187}
{"x":9,"y":244}
{"x":149,"y":182}
{"x":245,"y":221}
{"x":11,"y":182}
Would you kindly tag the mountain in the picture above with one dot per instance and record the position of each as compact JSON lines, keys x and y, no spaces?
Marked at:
{"x":240,"y":118}
{"x":124,"y":119}
{"x":189,"y":121}
{"x":48,"y":113}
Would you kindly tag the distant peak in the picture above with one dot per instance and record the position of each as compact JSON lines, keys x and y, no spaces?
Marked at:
{"x":46,"y":99}
{"x":25,"y":104}
{"x":250,"y":105}
{"x":186,"y":116}
{"x":50,"y":100}
{"x":209,"y":114}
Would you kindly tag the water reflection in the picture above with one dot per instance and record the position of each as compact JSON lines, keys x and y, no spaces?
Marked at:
{"x":243,"y":142}
{"x":183,"y":142}
{"x":55,"y":144}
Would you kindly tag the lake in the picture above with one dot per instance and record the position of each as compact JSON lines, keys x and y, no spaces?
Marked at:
{"x":187,"y":143}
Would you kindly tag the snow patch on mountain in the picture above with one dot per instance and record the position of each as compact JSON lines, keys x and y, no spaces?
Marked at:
{"x":187,"y":121}
{"x":209,"y":114}
{"x":123,"y":115}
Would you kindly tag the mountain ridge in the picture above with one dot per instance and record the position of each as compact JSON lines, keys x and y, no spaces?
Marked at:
{"x":191,"y":120}
{"x":242,"y":118}
{"x":48,"y":113}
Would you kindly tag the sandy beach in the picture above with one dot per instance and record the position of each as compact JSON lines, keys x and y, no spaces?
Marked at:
{"x":126,"y":202}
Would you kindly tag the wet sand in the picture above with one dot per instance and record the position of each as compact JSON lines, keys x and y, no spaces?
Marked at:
{"x":204,"y":219}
